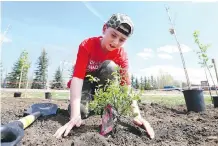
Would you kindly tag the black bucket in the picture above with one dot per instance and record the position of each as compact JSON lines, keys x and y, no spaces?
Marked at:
{"x":17,"y":94}
{"x":215,"y":101}
{"x":194,"y":99}
{"x":48,"y":95}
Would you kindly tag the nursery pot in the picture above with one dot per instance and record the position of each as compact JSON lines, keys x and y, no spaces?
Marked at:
{"x":47,"y":95}
{"x":17,"y":94}
{"x":215,"y":101}
{"x":194,"y":99}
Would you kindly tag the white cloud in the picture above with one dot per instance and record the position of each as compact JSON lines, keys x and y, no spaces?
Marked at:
{"x":196,"y":75}
{"x":165,"y":56}
{"x":4,"y":39}
{"x":174,"y":49}
{"x":93,"y":10}
{"x":146,"y":54}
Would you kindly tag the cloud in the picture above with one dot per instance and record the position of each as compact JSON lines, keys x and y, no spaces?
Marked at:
{"x":196,"y":75}
{"x":173,"y":49}
{"x":146,"y":54}
{"x":93,"y":10}
{"x":165,"y":56}
{"x":4,"y":39}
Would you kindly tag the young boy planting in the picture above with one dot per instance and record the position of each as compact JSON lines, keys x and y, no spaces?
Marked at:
{"x":98,"y":56}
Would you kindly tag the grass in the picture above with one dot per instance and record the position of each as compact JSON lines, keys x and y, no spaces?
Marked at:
{"x":55,"y":95}
{"x":170,"y":100}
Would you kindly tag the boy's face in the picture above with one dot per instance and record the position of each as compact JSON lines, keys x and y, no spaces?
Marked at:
{"x":112,"y":38}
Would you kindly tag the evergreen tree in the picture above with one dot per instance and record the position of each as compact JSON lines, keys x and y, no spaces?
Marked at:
{"x":40,"y":78}
{"x":148,"y":85}
{"x":132,"y":81}
{"x":145,"y":83}
{"x":141,"y":84}
{"x":152,"y":84}
{"x":18,"y":77}
{"x":1,"y":70}
{"x":57,"y":83}
{"x":155,"y":83}
{"x":136,"y":83}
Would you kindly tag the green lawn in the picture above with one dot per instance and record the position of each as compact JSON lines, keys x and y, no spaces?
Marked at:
{"x":170,"y":100}
{"x":55,"y":95}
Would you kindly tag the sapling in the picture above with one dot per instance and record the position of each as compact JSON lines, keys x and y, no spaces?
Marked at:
{"x":203,"y":57}
{"x":118,"y":96}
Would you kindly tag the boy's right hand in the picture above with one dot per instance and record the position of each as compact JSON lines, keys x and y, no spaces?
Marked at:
{"x":75,"y":121}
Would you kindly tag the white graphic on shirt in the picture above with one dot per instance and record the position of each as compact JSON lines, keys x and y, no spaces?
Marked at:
{"x":93,"y":65}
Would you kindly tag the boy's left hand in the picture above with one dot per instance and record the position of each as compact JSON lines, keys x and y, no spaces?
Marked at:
{"x":140,"y":121}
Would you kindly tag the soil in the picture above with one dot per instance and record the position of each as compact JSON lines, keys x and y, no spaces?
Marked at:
{"x":172,"y":126}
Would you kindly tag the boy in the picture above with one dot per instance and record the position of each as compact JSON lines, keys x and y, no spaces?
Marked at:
{"x":99,"y":56}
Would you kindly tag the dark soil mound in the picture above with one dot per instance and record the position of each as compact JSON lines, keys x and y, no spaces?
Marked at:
{"x":172,"y":126}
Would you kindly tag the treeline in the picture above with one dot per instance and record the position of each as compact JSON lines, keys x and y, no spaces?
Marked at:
{"x":18,"y":77}
{"x":152,"y":83}
{"x":144,"y":83}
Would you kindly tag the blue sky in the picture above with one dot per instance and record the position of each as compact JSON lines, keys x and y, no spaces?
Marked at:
{"x":59,"y":27}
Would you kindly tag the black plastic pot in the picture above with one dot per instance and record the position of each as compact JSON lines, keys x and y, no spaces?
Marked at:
{"x":215,"y":101}
{"x":17,"y":94}
{"x":194,"y":99}
{"x":48,"y":95}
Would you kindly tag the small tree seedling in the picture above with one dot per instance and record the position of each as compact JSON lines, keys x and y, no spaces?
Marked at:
{"x":203,"y":57}
{"x":114,"y":94}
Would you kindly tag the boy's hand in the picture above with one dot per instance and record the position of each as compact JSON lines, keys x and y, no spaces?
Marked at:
{"x":68,"y":126}
{"x":143,"y":123}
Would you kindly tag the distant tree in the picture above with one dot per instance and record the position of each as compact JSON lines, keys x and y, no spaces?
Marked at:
{"x":164,"y":79}
{"x":154,"y":82}
{"x":40,"y":78}
{"x":57,"y":83}
{"x":141,"y":84}
{"x":148,"y":84}
{"x":136,"y":83}
{"x":145,"y":83}
{"x":19,"y":75}
{"x":184,"y":84}
{"x":132,"y":81}
{"x":177,"y":83}
{"x":1,"y":70}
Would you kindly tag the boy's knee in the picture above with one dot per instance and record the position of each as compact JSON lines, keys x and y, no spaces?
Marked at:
{"x":108,"y":67}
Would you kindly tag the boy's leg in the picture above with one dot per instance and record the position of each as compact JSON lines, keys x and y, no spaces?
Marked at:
{"x":105,"y":71}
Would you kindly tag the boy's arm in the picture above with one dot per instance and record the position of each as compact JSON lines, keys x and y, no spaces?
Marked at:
{"x":75,"y":96}
{"x":139,"y":120}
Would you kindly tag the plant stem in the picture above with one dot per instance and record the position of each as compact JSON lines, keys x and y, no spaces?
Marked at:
{"x":180,"y":50}
{"x":205,"y":64}
{"x":212,"y":79}
{"x":208,"y":84}
{"x":214,"y":63}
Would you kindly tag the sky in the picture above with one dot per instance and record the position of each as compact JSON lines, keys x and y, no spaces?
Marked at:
{"x":60,"y":27}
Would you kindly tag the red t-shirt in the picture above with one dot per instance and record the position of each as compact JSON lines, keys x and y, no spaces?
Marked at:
{"x":90,"y":56}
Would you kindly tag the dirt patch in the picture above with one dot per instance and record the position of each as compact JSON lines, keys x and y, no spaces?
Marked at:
{"x":173,"y":126}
